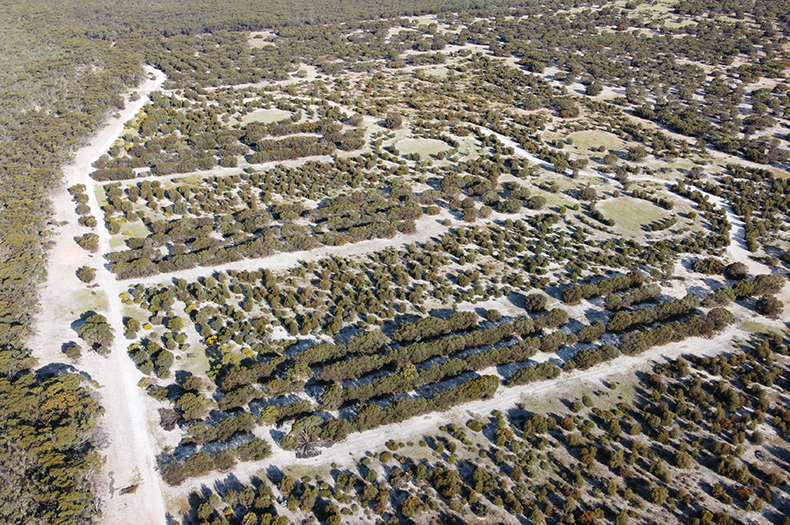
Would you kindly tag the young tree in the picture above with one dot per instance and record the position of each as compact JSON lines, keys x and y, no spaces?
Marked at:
{"x":572,"y":294}
{"x":588,"y":194}
{"x":393,"y":121}
{"x":96,"y":331}
{"x":192,"y":405}
{"x":535,"y":302}
{"x":88,"y":241}
{"x":536,"y":202}
{"x":736,"y":270}
{"x":493,"y":315}
{"x":637,"y":153}
{"x":86,"y":274}
{"x":593,"y":89}
{"x":769,"y":306}
{"x":72,"y":350}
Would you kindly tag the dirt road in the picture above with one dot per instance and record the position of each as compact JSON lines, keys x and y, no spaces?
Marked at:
{"x":130,"y":454}
{"x":347,"y":453}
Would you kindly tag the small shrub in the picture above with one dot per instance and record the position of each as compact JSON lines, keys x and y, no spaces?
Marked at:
{"x":474,"y":425}
{"x":535,"y":302}
{"x":736,"y":270}
{"x":73,"y":351}
{"x":769,"y":306}
{"x":493,"y":315}
{"x":393,"y":121}
{"x":86,"y":274}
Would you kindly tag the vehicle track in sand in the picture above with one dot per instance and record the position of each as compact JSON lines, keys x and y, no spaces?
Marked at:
{"x":130,"y":452}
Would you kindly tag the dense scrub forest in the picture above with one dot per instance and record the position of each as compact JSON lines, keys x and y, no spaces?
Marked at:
{"x":334,"y":218}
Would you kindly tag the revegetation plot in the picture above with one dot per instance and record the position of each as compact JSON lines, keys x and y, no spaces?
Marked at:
{"x":430,"y":220}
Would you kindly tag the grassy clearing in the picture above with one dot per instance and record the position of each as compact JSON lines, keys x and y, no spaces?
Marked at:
{"x":467,"y":146}
{"x":300,"y":471}
{"x":553,"y":199}
{"x":135,"y":229}
{"x":192,"y":179}
{"x":780,"y":173}
{"x":626,"y":392}
{"x":117,"y":242}
{"x":540,"y":404}
{"x":595,"y":139}
{"x":630,"y":213}
{"x":196,"y":361}
{"x":194,"y":182}
{"x":101,"y":197}
{"x":128,"y":230}
{"x":135,"y":313}
{"x":90,"y":300}
{"x":565,"y":183}
{"x":440,"y":72}
{"x":677,"y":22}
{"x":757,"y":328}
{"x":258,"y":39}
{"x":267,"y":116}
{"x":425,"y":147}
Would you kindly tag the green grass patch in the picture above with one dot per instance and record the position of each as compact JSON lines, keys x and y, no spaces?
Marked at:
{"x":631,"y":214}
{"x":135,"y":229}
{"x":129,"y":230}
{"x":90,"y":299}
{"x":626,"y":392}
{"x":440,"y":72}
{"x":595,"y":139}
{"x":116,"y":242}
{"x":673,"y":22}
{"x":779,"y":173}
{"x":267,"y":116}
{"x":757,"y":328}
{"x":192,"y":180}
{"x":135,"y":313}
{"x":552,"y":199}
{"x":196,"y":361}
{"x":299,"y":471}
{"x":101,"y":197}
{"x":425,"y":147}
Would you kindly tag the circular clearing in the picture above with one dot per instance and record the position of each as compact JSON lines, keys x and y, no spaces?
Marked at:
{"x":440,"y":72}
{"x":267,"y":116}
{"x":425,"y":147}
{"x":631,"y":214}
{"x":595,"y":139}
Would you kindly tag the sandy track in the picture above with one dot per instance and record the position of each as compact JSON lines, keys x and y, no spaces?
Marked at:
{"x":428,"y":227}
{"x":130,"y":453}
{"x":348,"y":452}
{"x":737,"y":251}
{"x":219,"y":171}
{"x":517,"y":149}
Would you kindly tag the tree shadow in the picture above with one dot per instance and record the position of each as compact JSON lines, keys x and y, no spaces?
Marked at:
{"x":56,"y":369}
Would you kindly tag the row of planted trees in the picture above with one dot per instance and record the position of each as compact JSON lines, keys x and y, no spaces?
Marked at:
{"x":675,"y":452}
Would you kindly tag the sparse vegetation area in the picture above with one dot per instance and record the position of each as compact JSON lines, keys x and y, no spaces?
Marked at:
{"x":315,"y":230}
